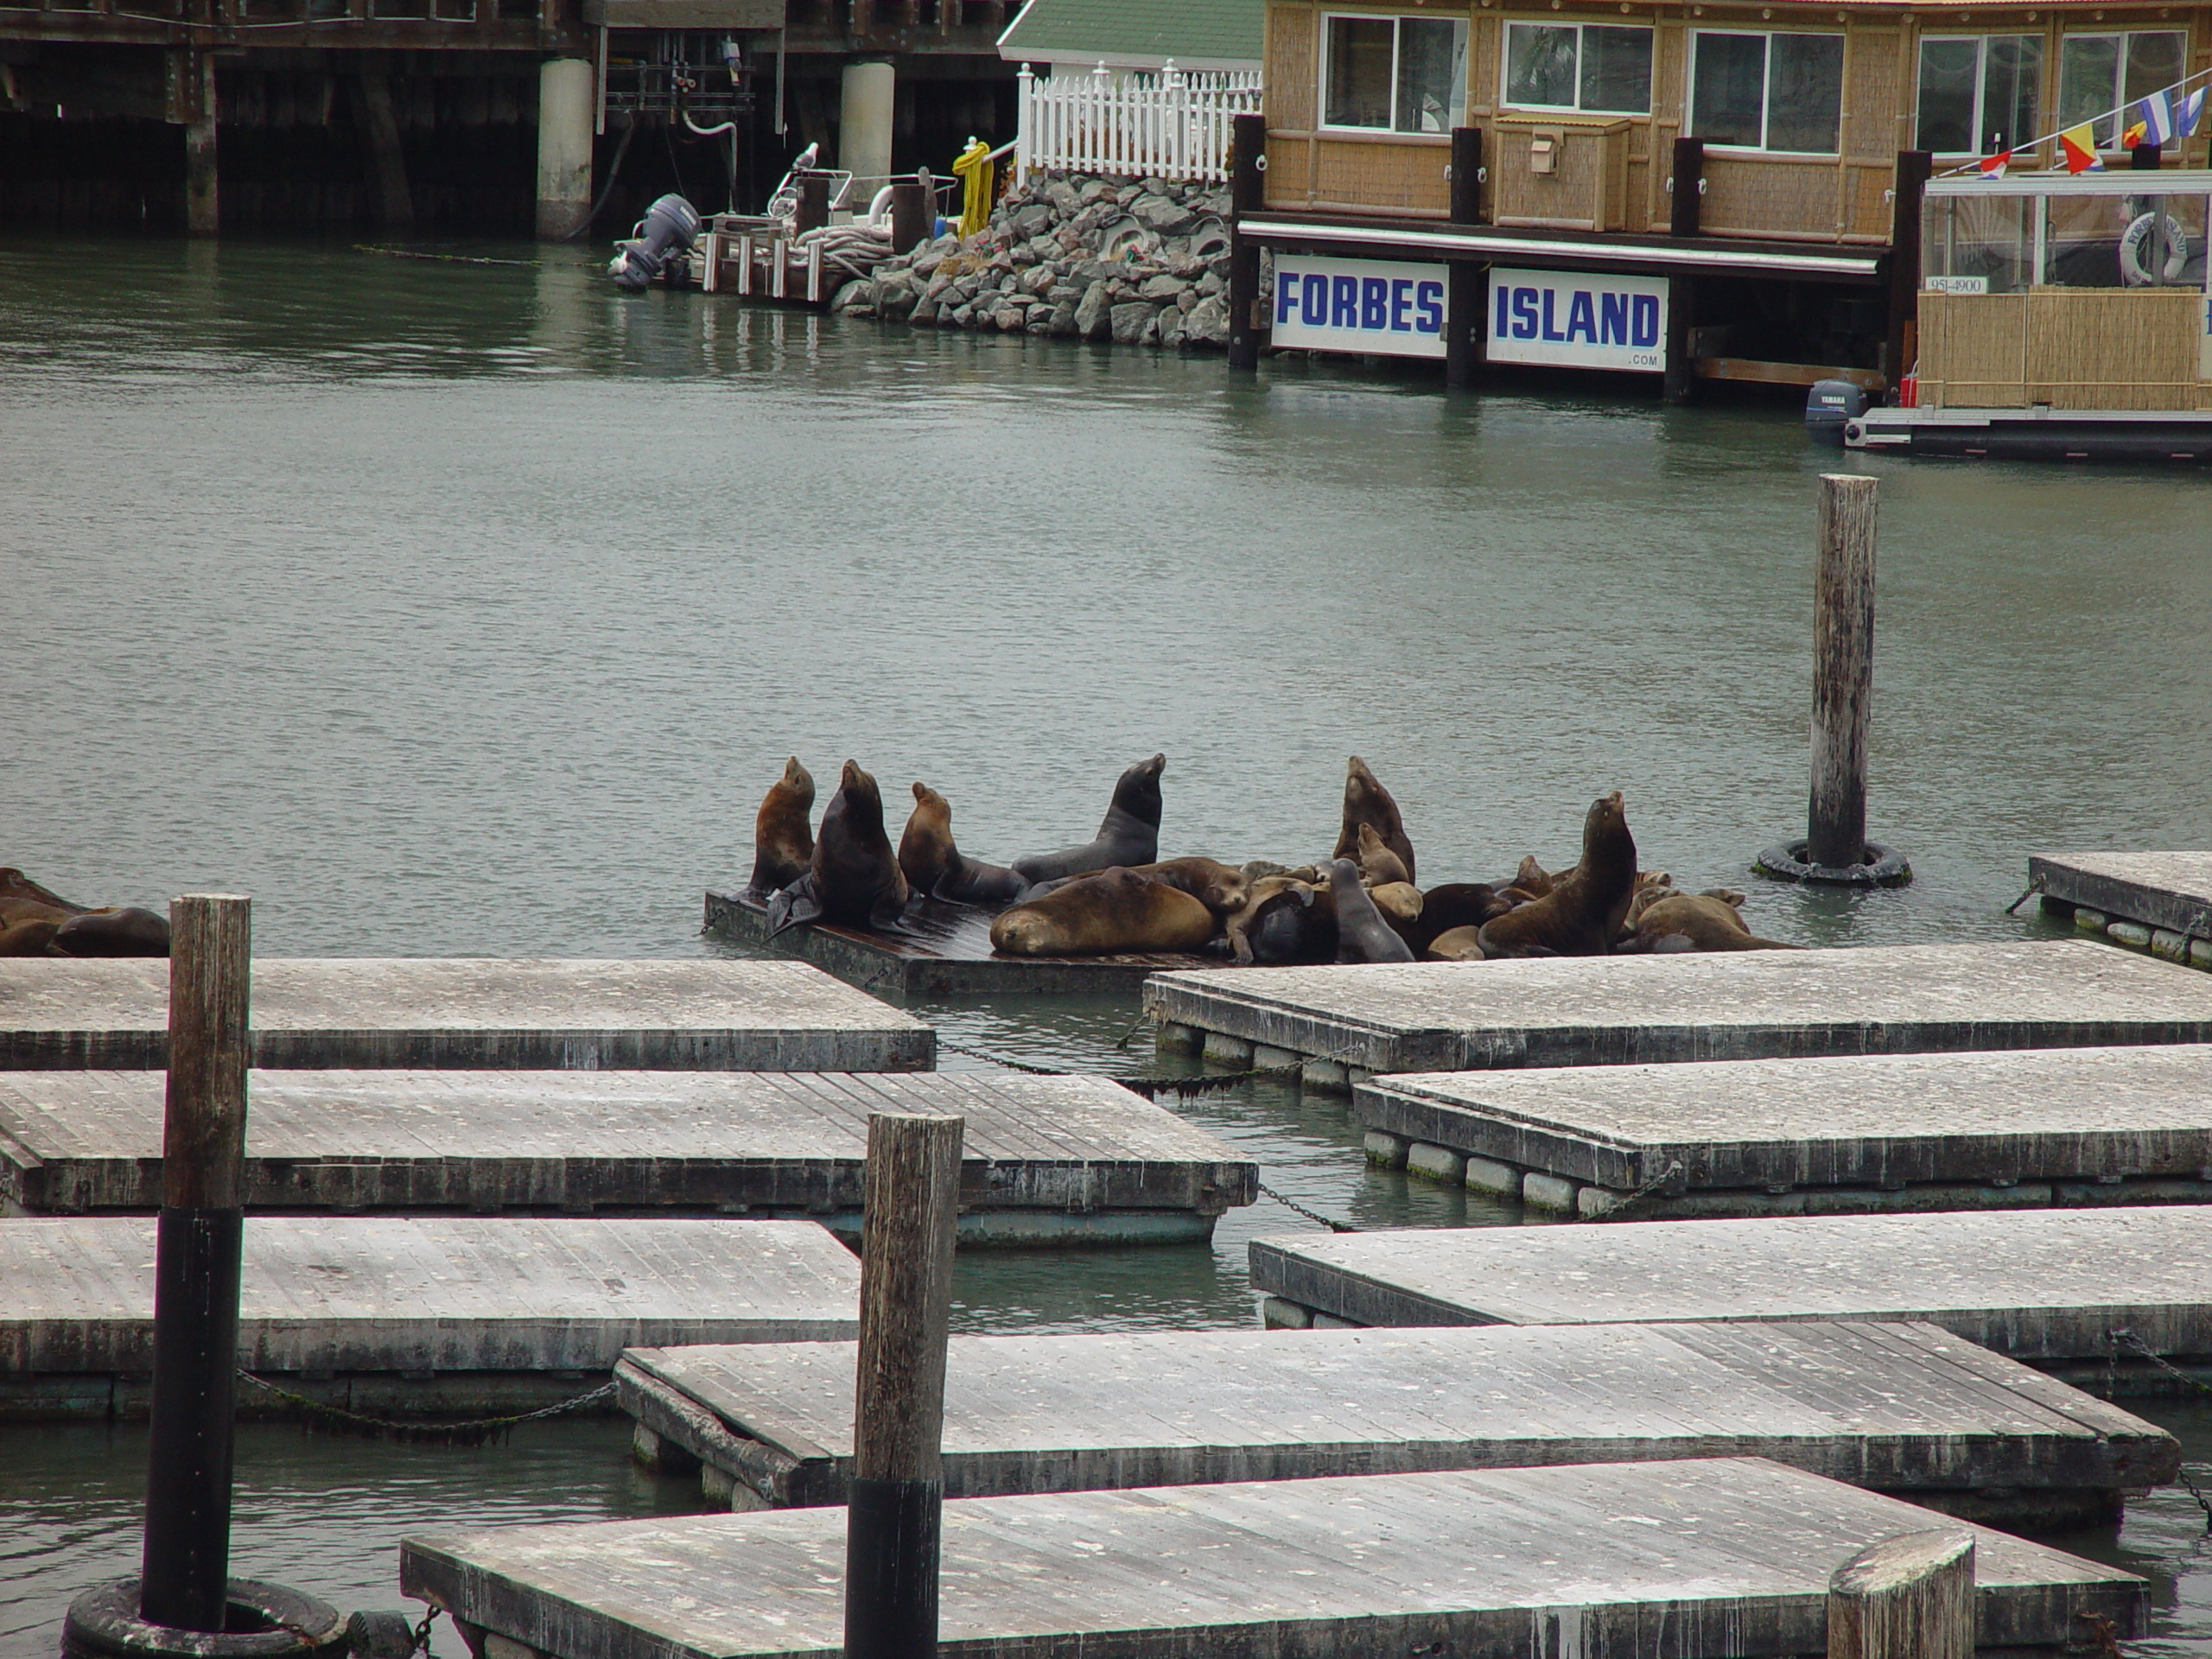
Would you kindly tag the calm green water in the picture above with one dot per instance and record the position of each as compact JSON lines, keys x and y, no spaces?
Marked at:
{"x":459,"y":608}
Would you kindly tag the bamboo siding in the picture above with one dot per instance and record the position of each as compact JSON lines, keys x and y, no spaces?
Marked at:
{"x":2072,"y":348}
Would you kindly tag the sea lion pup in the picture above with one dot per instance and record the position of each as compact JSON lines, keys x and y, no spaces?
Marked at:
{"x":934,"y":865}
{"x":1367,"y":802}
{"x":1651,"y":886}
{"x":1695,"y":921}
{"x":124,"y":930}
{"x":1581,"y":915}
{"x":1378,"y":865}
{"x":1129,"y":833}
{"x":854,"y":878}
{"x":1109,"y":911}
{"x":782,"y":845}
{"x":1362,"y":934}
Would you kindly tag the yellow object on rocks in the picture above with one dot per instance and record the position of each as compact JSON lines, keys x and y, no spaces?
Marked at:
{"x":977,"y":173}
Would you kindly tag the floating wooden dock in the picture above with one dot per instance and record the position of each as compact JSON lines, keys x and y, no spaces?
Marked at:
{"x":1049,"y":1160}
{"x":447,"y":1316}
{"x":1725,"y":1556}
{"x":2159,"y":902}
{"x":2023,"y":1129}
{"x":1908,"y":1409}
{"x":1734,"y":1006}
{"x":949,"y":955}
{"x":480,"y":1013}
{"x":2051,"y":1287}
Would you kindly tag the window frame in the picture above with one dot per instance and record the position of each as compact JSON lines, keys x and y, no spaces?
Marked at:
{"x":1766,"y":81}
{"x":1456,"y":112}
{"x":1506,"y":101}
{"x":1980,"y":122}
{"x":2116,"y":111}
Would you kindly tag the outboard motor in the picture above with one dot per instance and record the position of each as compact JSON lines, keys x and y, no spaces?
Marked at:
{"x":671,"y":226}
{"x":1830,"y":404}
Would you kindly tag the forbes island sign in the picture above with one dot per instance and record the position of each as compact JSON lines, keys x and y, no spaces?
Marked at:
{"x":1578,"y":319}
{"x":1391,"y":308}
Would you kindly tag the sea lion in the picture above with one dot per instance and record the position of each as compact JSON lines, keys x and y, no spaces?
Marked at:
{"x":1455,"y":945}
{"x":1399,"y":901}
{"x":1220,"y":888}
{"x":123,"y":931}
{"x":854,"y":878}
{"x":1651,"y":886}
{"x":1115,"y":910}
{"x":1367,"y":802}
{"x":935,"y":867}
{"x":1276,"y":942}
{"x":782,"y":845}
{"x":29,"y":938}
{"x":1362,"y":934}
{"x":1455,"y":904}
{"x":1129,"y":833}
{"x":1581,"y":915}
{"x":15,"y":886}
{"x":1695,"y":921}
{"x":1378,"y":865}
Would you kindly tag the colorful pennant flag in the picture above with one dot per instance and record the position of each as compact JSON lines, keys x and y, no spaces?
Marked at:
{"x":2188,"y":109}
{"x":2133,"y":133}
{"x":2077,"y":148}
{"x":2157,"y":126}
{"x":1993,"y":167}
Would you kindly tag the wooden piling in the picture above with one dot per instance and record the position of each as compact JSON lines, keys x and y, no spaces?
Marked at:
{"x":813,"y":210}
{"x":1466,"y":282}
{"x":1909,"y":189}
{"x":1685,"y":185}
{"x":1247,"y":163}
{"x":1911,"y":1597}
{"x":909,"y":214}
{"x":1843,"y":670}
{"x":893,"y":1535}
{"x":185,"y":1569}
{"x":202,"y":179}
{"x":1688,"y":178}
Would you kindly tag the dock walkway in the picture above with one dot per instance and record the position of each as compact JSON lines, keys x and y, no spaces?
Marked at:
{"x":2051,"y":1287}
{"x":2159,"y":902}
{"x":1725,"y":1556}
{"x":1049,"y":1160}
{"x":1619,"y":1010}
{"x":2022,"y":1128}
{"x":381,"y":1313}
{"x":484,"y":1013}
{"x":1908,"y":1409}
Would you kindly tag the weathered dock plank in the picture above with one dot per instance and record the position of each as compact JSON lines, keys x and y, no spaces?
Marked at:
{"x":574,"y":1015}
{"x":2168,"y":891}
{"x":2020,"y":1128}
{"x":1049,"y":1159}
{"x":428,"y":1314}
{"x":1755,"y":1004}
{"x":2048,"y":1287}
{"x":1908,"y":1409}
{"x":1724,"y":1556}
{"x":948,"y":954}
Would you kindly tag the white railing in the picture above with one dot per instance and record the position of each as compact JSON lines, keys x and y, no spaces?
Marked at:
{"x":1170,"y":125}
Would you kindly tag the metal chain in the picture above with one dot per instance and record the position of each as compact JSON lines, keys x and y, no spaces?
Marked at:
{"x":2124,"y":1337}
{"x":422,"y":1630}
{"x":1615,"y":1212}
{"x":477,"y":1428}
{"x":1310,"y":1215}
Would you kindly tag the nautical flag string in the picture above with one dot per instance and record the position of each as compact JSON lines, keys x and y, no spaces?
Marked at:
{"x":2077,"y":149}
{"x":2165,"y":117}
{"x":1993,"y":167}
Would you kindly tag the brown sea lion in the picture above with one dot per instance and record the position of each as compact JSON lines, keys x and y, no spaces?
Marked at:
{"x":935,"y":867}
{"x":1129,"y":833}
{"x":1367,"y":802}
{"x":1651,"y":886}
{"x":1454,"y":905}
{"x":1455,"y":945}
{"x":1695,"y":921}
{"x":782,"y":845}
{"x":1220,"y":888}
{"x":1109,"y":911}
{"x":1378,"y":865}
{"x":1399,"y":901}
{"x":1362,"y":934}
{"x":15,"y":886}
{"x":854,"y":878}
{"x":29,"y":938}
{"x":123,"y":931}
{"x":1581,"y":915}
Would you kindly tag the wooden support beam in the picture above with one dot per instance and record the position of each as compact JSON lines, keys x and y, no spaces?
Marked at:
{"x":1843,"y":670}
{"x":1908,"y":190}
{"x":1466,"y":283}
{"x":1248,"y":164}
{"x":379,"y":125}
{"x":1911,"y":1597}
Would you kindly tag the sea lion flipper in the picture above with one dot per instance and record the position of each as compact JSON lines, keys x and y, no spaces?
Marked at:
{"x":794,"y":905}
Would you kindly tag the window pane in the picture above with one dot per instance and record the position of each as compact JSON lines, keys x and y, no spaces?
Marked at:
{"x":1432,"y":74}
{"x":2153,"y":64}
{"x":1728,"y":97}
{"x":1539,"y":65}
{"x":2089,"y":78}
{"x":1616,"y":70}
{"x":1359,"y":72}
{"x":1947,"y":79}
{"x":1805,"y":94}
{"x":2012,"y":82}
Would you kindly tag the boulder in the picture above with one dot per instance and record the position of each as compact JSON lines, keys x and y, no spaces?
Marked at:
{"x":1046,"y":246}
{"x":1091,"y":190}
{"x":1032,"y":219}
{"x":1065,"y":199}
{"x":1162,"y":287}
{"x":852,"y":299}
{"x":962,"y":317}
{"x":924,"y":315}
{"x":1207,"y":322}
{"x":1171,"y":328}
{"x":1162,"y":214}
{"x":1129,"y":322}
{"x":1149,"y":334}
{"x":1091,"y":313}
{"x":1060,"y":321}
{"x":1037,"y":279}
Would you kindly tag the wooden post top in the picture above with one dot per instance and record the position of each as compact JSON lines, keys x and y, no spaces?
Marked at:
{"x":203,"y":1139}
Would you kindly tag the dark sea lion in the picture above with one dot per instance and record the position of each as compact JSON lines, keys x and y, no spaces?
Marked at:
{"x":854,"y":878}
{"x":782,"y":845}
{"x":1581,"y":915}
{"x":1367,"y":802}
{"x":935,"y":867}
{"x":1530,"y":882}
{"x":1265,"y":930}
{"x":124,"y":930}
{"x":1129,"y":833}
{"x":1378,"y":865}
{"x":1362,"y":934}
{"x":1695,"y":921}
{"x":29,"y":938}
{"x":1454,"y":905}
{"x":15,"y":885}
{"x":1110,"y":911}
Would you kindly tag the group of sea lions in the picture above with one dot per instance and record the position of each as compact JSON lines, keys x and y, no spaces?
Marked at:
{"x":37,"y":922}
{"x":1114,"y":893}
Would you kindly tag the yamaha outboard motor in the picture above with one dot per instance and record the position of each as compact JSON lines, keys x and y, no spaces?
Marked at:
{"x":1830,"y":404}
{"x":671,"y":226}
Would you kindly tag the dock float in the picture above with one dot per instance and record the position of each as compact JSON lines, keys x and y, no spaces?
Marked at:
{"x":1907,"y":1409}
{"x":949,"y":953}
{"x":2159,"y":902}
{"x":1734,"y":1006}
{"x":1726,"y":1556}
{"x":2021,"y":1128}
{"x":483,"y":1013}
{"x":1049,"y":1159}
{"x":382,"y":1314}
{"x":2070,"y":1292}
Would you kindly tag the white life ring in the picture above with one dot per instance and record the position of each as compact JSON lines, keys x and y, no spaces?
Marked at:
{"x":2136,"y":238}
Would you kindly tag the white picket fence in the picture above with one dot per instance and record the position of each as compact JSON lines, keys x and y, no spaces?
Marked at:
{"x":1170,"y":125}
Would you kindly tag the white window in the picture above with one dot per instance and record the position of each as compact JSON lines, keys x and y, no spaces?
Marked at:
{"x":1596,"y":67}
{"x":1978,"y":92}
{"x":2098,"y":73}
{"x":1782,"y":92}
{"x":1395,"y":74}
